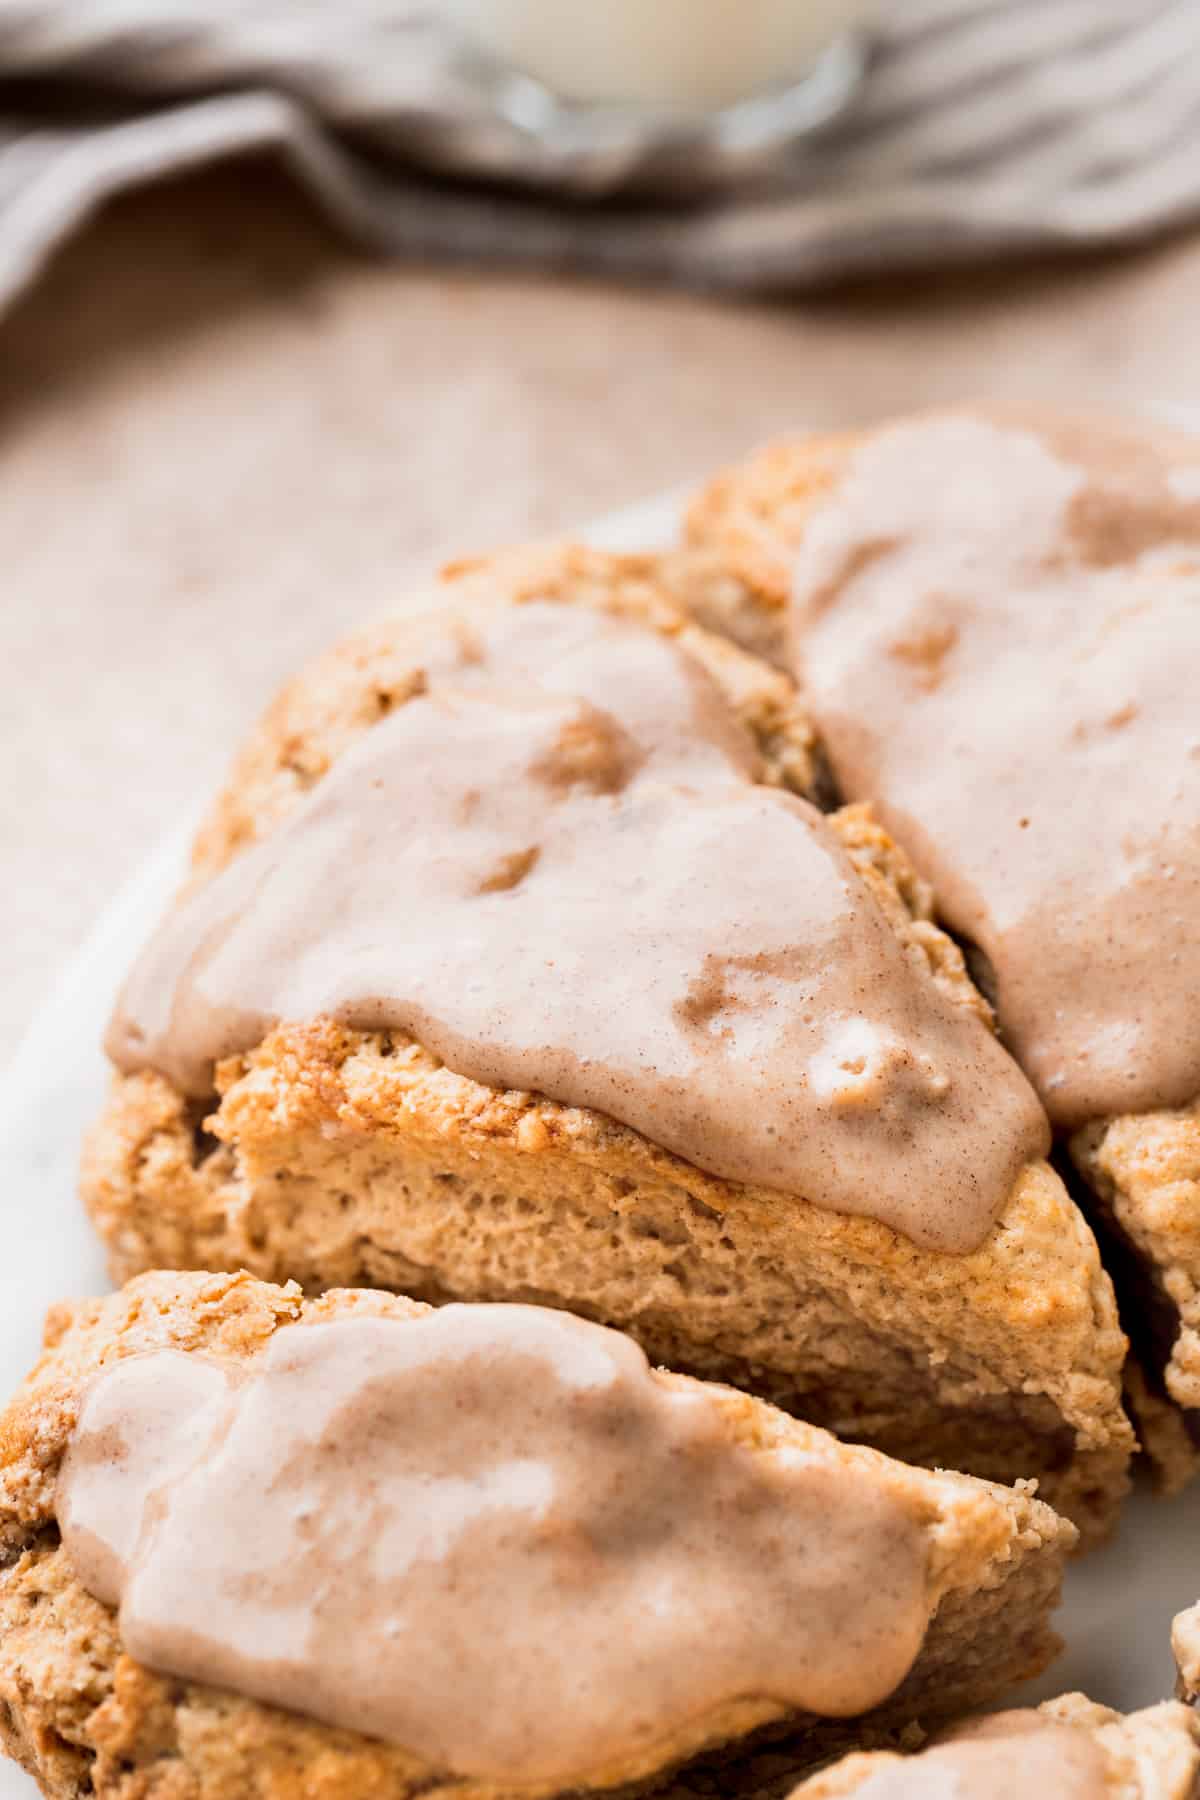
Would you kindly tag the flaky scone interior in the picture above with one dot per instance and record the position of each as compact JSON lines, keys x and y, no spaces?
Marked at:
{"x":341,"y":1156}
{"x":84,"y":1717}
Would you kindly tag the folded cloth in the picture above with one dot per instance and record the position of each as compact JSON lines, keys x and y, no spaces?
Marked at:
{"x":984,"y":127}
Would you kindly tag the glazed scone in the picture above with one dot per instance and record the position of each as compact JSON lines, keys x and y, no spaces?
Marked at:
{"x":1066,"y":1749}
{"x":1107,"y":515}
{"x":347,"y":1156}
{"x":936,"y":1594}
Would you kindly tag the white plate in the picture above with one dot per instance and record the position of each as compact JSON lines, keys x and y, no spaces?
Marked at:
{"x":1119,"y":1602}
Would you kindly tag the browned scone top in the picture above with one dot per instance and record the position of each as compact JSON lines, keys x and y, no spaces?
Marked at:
{"x":1069,"y":1748}
{"x":1135,"y":521}
{"x":84,"y":1717}
{"x":341,"y":1156}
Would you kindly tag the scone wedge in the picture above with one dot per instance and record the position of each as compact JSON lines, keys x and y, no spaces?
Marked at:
{"x":348,"y":1156}
{"x":1068,"y":1749}
{"x":84,"y":1716}
{"x":1127,"y":533}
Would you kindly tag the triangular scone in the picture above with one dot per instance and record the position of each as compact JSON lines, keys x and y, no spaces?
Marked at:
{"x":339,"y":1156}
{"x":80,"y":1713}
{"x":1135,"y":522}
{"x":1066,"y":1749}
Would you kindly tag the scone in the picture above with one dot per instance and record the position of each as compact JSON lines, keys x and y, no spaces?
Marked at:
{"x":997,"y":625}
{"x":356,"y":1546}
{"x":1185,"y":1643}
{"x":515,"y":967}
{"x":1067,"y":1749}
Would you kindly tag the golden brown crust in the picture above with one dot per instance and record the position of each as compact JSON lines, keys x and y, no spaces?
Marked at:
{"x":342,"y":1158}
{"x":740,"y":529}
{"x":1150,"y":1755}
{"x":82,"y":1716}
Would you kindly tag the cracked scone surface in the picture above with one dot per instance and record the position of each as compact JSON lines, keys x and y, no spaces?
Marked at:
{"x":78,"y":1712}
{"x":341,"y":1157}
{"x":1142,"y":1169}
{"x":1149,"y":1755}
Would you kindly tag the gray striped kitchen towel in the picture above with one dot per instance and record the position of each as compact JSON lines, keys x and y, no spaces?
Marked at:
{"x":984,"y":127}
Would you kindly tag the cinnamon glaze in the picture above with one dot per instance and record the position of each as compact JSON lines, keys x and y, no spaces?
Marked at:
{"x":556,"y":870}
{"x":998,"y":629}
{"x":491,"y":1535}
